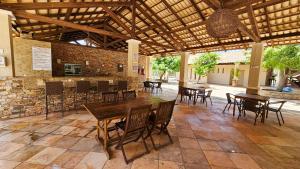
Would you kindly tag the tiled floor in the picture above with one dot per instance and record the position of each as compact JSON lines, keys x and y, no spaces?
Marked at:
{"x":204,"y":138}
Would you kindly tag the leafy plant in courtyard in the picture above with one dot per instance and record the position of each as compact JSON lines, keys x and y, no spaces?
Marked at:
{"x":282,"y":58}
{"x":162,"y":65}
{"x":205,"y":63}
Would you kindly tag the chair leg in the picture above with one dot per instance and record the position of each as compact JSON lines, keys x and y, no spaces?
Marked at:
{"x":205,"y":102}
{"x":281,"y":117}
{"x":278,"y":119}
{"x":210,"y":101}
{"x":46,"y":104}
{"x":225,"y":108}
{"x":229,"y":106}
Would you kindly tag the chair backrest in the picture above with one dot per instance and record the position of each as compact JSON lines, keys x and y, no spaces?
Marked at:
{"x":228,"y":98}
{"x":209,"y":93}
{"x":54,"y":88}
{"x":159,"y":84}
{"x":110,"y":97}
{"x":122,"y":85}
{"x":250,"y":105}
{"x":128,"y":95}
{"x":82,"y":86}
{"x":103,"y":86}
{"x":164,"y":112}
{"x":147,"y":84}
{"x":137,"y":118}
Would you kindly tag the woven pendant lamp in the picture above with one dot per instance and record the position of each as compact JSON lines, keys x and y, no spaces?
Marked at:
{"x":222,"y":23}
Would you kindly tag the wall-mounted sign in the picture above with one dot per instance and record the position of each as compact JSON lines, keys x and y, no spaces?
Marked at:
{"x":2,"y":61}
{"x":41,"y":58}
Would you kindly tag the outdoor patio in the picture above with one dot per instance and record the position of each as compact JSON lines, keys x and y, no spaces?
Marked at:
{"x":203,"y":138}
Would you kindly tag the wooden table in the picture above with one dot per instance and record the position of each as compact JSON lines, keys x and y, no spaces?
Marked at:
{"x":263,"y":99}
{"x":105,"y":113}
{"x":194,"y":89}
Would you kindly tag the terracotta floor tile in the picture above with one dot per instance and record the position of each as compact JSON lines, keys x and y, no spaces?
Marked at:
{"x":11,"y":136}
{"x":25,"y":153}
{"x":69,"y":159}
{"x":230,"y":146}
{"x":92,"y":161}
{"x":196,"y":166}
{"x":8,"y":164}
{"x":209,"y":145}
{"x":64,"y":130}
{"x":30,"y":166}
{"x":219,"y":159}
{"x":243,"y":161}
{"x":168,"y":165}
{"x":143,"y":163}
{"x":48,"y":129}
{"x":164,"y":154}
{"x":46,"y":156}
{"x":185,"y":133}
{"x":66,"y":142}
{"x":79,"y":132}
{"x":189,"y":143}
{"x":193,"y":156}
{"x":48,"y":140}
{"x":85,"y":144}
{"x":7,"y":148}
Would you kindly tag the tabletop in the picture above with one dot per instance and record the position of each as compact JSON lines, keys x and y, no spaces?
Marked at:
{"x":194,"y":87}
{"x":114,"y":110}
{"x":252,"y":96}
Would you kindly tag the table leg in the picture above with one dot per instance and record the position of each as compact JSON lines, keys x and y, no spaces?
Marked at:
{"x":234,"y":104}
{"x":195,"y":93}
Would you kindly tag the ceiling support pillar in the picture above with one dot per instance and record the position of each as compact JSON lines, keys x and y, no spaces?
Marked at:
{"x":183,"y":78}
{"x":133,"y":57}
{"x":148,"y":68}
{"x":255,"y":68}
{"x":6,"y":44}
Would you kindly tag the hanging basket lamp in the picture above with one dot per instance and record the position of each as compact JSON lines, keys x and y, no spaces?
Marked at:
{"x":222,"y":23}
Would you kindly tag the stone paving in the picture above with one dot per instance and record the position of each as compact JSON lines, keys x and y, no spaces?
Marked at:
{"x":204,"y":138}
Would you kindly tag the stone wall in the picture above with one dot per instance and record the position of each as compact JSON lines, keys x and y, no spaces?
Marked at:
{"x":101,"y":62}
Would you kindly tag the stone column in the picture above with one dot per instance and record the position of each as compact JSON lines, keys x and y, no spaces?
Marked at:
{"x":133,"y":54}
{"x":255,"y":66}
{"x":148,"y":68}
{"x":183,"y":79}
{"x":6,"y":44}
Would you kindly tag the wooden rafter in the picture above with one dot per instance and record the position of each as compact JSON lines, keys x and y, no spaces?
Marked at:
{"x":56,"y":5}
{"x":253,"y":22}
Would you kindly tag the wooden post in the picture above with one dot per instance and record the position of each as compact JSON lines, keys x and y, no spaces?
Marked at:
{"x":184,"y":68}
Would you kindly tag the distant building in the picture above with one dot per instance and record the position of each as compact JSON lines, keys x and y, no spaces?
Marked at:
{"x":222,"y":73}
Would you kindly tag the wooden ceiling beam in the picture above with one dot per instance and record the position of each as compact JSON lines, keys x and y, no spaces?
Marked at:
{"x":214,"y":4}
{"x":133,"y":23}
{"x":116,"y":19}
{"x":253,"y":21}
{"x":78,"y":27}
{"x":181,"y":21}
{"x":178,"y":44}
{"x":55,"y":5}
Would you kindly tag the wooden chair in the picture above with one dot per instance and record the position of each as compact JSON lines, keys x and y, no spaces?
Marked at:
{"x":160,"y":120}
{"x":230,"y":101}
{"x":82,"y":87}
{"x":148,"y":85}
{"x":158,"y":87}
{"x":54,"y":89}
{"x":102,"y":86}
{"x":134,"y":127}
{"x":110,"y":97}
{"x":251,"y":105}
{"x":276,"y":110}
{"x":128,"y":95}
{"x":122,"y":85}
{"x":204,"y":96}
{"x":185,"y":94}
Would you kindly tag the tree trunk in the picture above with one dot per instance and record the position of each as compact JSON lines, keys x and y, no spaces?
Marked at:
{"x":199,"y":78}
{"x":281,"y":80}
{"x":161,"y":76}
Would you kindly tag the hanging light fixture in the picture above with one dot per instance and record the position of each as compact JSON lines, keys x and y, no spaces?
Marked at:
{"x":222,"y":23}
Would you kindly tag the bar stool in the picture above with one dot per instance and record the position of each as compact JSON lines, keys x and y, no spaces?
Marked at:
{"x":102,"y":86}
{"x":122,"y":85}
{"x":54,"y":89}
{"x":82,"y":87}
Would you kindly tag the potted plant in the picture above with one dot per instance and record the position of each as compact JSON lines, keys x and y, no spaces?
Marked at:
{"x":235,"y":73}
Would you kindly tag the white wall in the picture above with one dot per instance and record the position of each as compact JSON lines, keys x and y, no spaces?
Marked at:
{"x":223,"y":78}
